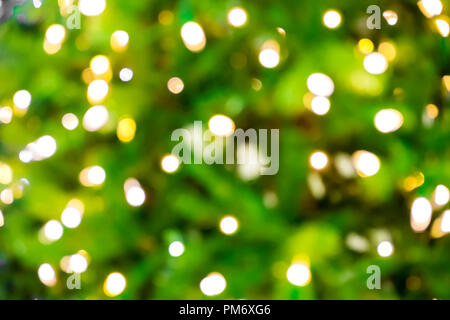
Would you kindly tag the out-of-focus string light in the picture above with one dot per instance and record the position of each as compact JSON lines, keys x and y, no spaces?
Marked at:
{"x":55,"y":34}
{"x":385,"y":249}
{"x":366,"y":163}
{"x":365,"y":46}
{"x":95,"y":118}
{"x":47,"y":274}
{"x":421,"y":211}
{"x":2,"y":219}
{"x":446,"y":82}
{"x":100,"y":64}
{"x":430,"y":8}
{"x":269,"y":55}
{"x":134,"y":193}
{"x":320,"y":84}
{"x":318,"y":160}
{"x":388,"y":120}
{"x":7,"y":196}
{"x":92,"y":176}
{"x":443,"y":27}
{"x":193,"y":36}
{"x":72,"y":214}
{"x":237,"y":17}
{"x":298,"y":274}
{"x":281,"y":31}
{"x":126,"y":74}
{"x":176,"y":248}
{"x":41,"y":149}
{"x":441,"y":195}
{"x":126,"y":129}
{"x":78,"y":263}
{"x":213,"y":284}
{"x":115,"y":284}
{"x":221,"y":125}
{"x":414,"y":181}
{"x":229,"y":225}
{"x":175,"y":85}
{"x":97,"y":91}
{"x":119,"y":41}
{"x":53,"y":230}
{"x":91,"y":8}
{"x":445,"y":222}
{"x":70,"y":121}
{"x":170,"y":163}
{"x":391,"y":17}
{"x":332,"y":19}
{"x":71,"y":218}
{"x":6,"y":173}
{"x":6,"y":114}
{"x":22,"y":99}
{"x":375,"y":63}
{"x":432,"y":111}
{"x":320,"y":105}
{"x":344,"y":165}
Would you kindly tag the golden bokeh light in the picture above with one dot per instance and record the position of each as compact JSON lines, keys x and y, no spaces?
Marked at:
{"x":126,"y":130}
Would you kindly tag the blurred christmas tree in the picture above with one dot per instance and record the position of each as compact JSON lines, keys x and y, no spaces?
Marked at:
{"x":364,"y":153}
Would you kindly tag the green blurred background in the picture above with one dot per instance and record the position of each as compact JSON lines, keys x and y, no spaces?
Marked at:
{"x":330,"y":220}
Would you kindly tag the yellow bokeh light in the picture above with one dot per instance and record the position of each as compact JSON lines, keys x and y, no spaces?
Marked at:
{"x":446,"y":82}
{"x":165,"y":17}
{"x":432,"y":111}
{"x":388,"y":50}
{"x":126,"y":129}
{"x":365,"y":46}
{"x":414,"y":181}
